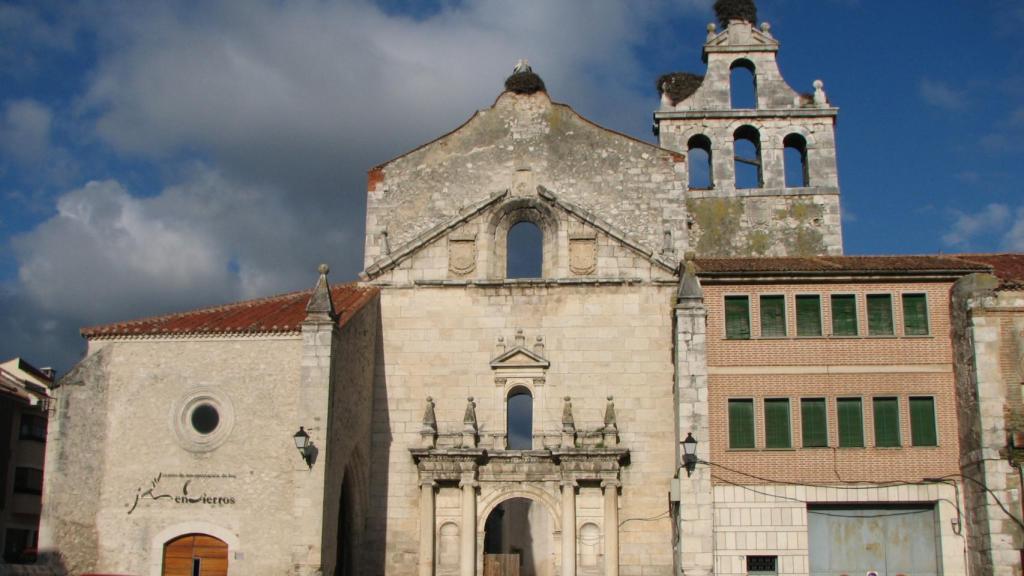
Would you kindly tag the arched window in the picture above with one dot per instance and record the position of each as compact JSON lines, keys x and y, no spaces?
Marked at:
{"x":795,"y":157}
{"x":519,"y":419}
{"x":699,"y":156}
{"x":525,"y":251}
{"x":743,"y":84}
{"x":747,"y":154}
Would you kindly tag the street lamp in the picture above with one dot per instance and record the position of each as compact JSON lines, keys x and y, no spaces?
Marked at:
{"x":303,"y":445}
{"x":689,"y":453}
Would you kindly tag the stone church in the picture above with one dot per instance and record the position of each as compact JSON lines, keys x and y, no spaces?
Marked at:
{"x":686,"y":377}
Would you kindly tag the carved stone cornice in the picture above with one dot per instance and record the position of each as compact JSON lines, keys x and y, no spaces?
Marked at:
{"x":564,"y":464}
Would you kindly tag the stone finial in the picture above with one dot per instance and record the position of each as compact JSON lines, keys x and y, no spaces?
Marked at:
{"x":611,"y":428}
{"x":568,"y":425}
{"x":321,"y":306}
{"x":766,"y":28}
{"x":538,"y":346}
{"x":819,"y":93}
{"x":520,"y":338}
{"x":500,"y":347}
{"x":469,"y":425}
{"x":689,"y":285}
{"x":428,"y":433}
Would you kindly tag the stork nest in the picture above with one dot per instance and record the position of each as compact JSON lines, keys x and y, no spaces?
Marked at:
{"x":524,"y":83}
{"x":726,"y":10}
{"x":679,"y":85}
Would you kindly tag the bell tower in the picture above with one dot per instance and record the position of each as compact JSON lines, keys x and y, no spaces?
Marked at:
{"x":761,"y":157}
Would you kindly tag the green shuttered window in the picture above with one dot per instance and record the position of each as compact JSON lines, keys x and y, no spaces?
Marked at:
{"x":922,"y":421}
{"x":844,"y":315}
{"x":887,"y":422}
{"x":776,"y":423}
{"x":773,"y":316}
{"x":851,"y":423}
{"x":880,"y":315}
{"x":813,"y":422}
{"x":741,"y":423}
{"x":808,"y":315}
{"x":915,"y":315}
{"x":737,"y":317}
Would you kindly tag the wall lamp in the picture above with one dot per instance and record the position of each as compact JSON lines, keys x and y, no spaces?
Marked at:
{"x":689,"y":453}
{"x":304,"y":446}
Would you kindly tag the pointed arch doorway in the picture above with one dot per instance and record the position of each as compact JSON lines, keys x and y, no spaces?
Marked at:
{"x":195,"y":555}
{"x":518,"y":539}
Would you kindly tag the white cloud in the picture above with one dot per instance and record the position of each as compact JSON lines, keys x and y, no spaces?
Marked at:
{"x":940,"y":95}
{"x":968,"y":227}
{"x":1013,"y":240}
{"x":25,"y":130}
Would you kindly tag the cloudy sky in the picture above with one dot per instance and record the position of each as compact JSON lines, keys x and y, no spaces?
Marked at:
{"x":158,"y":156}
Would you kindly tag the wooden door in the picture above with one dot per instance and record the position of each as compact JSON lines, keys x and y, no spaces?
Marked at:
{"x":501,"y":564}
{"x":195,"y":555}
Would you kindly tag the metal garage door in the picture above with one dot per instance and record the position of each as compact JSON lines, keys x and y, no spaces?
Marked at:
{"x":857,"y":540}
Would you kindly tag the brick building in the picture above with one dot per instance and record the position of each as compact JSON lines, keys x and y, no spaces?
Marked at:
{"x":549,"y":311}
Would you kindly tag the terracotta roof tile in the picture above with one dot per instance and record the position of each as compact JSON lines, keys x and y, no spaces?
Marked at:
{"x":840,"y":264}
{"x":275,"y":314}
{"x":1009,"y":268}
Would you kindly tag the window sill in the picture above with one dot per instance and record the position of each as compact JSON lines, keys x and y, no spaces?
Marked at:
{"x":919,"y":336}
{"x":742,"y":450}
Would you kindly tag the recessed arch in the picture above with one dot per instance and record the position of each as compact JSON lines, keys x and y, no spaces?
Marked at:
{"x":524,"y":254}
{"x":701,"y":173}
{"x":156,"y":543}
{"x":491,"y":500}
{"x":747,"y":157}
{"x":795,"y":158}
{"x":515,"y":212}
{"x":743,"y":84}
{"x":519,"y":532}
{"x":519,"y":419}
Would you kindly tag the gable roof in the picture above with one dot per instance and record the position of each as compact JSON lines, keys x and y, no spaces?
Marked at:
{"x":276,"y":314}
{"x":853,"y":265}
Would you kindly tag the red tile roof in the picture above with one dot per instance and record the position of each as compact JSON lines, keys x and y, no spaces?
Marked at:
{"x":1009,"y":268}
{"x":276,"y":314}
{"x":840,"y":264}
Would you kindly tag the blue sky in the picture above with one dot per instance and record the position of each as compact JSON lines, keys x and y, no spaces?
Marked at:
{"x":158,"y":156}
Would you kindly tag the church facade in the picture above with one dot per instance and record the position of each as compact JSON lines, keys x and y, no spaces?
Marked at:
{"x":692,"y":379}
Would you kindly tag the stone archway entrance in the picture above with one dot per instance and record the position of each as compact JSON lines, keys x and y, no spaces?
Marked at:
{"x":195,"y":555}
{"x":518,"y":539}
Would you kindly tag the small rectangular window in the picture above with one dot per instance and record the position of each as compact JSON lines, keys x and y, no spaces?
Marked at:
{"x":808,"y":315}
{"x":844,"y":315}
{"x":922,"y":421}
{"x":776,"y":423}
{"x":813,"y":422}
{"x":887,"y":422}
{"x":880,"y":315}
{"x":851,"y":422}
{"x":741,"y":423}
{"x":33,"y":427}
{"x":737,"y":317}
{"x":28,"y":480}
{"x":915,"y":315}
{"x":762,"y":565}
{"x":773,"y":316}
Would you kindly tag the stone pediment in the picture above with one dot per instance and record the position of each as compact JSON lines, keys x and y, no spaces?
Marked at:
{"x":520,"y":357}
{"x":742,"y":35}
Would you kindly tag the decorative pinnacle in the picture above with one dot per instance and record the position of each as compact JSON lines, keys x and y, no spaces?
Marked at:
{"x":324,"y":269}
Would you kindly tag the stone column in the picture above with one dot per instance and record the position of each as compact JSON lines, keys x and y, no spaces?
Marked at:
{"x":467,"y":560}
{"x":568,"y":528}
{"x":427,"y":527}
{"x":611,"y":527}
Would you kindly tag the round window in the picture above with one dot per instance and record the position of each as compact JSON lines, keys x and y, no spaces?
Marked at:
{"x":205,"y":418}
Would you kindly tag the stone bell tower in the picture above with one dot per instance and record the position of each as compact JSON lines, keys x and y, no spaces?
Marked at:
{"x":761,"y":156}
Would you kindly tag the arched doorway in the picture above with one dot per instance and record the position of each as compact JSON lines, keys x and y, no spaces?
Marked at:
{"x":345,"y":565}
{"x":518,"y":539}
{"x":195,"y":555}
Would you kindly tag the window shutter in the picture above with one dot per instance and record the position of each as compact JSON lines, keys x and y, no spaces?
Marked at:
{"x":844,"y":315}
{"x":776,"y":423}
{"x":808,"y":315}
{"x":922,"y":421}
{"x":737,"y":317}
{"x":773,"y":316}
{"x":887,"y":422}
{"x":915,"y":315}
{"x":880,"y":314}
{"x":851,"y":423}
{"x":813,"y":422}
{"x":741,"y":423}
